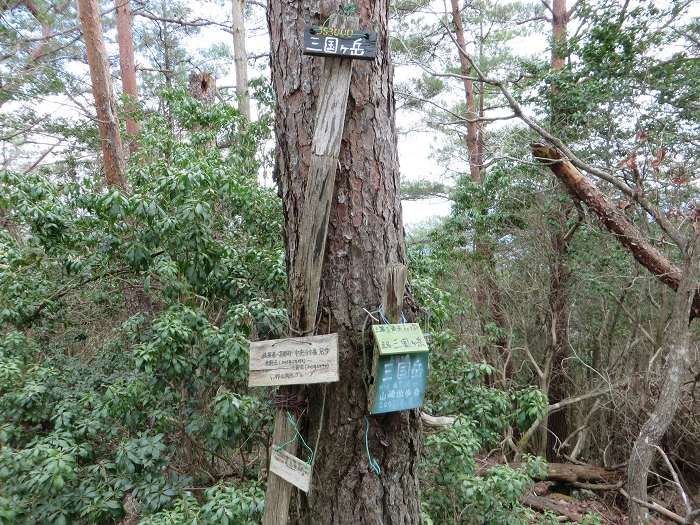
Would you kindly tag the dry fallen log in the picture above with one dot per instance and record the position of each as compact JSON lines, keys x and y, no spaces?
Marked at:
{"x":582,"y":189}
{"x":545,"y":504}
{"x":570,"y":473}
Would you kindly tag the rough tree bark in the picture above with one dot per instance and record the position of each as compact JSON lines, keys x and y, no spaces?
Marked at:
{"x":676,"y":370}
{"x":240,"y":57}
{"x":105,"y":103}
{"x":202,"y":86}
{"x":365,"y":234}
{"x":127,"y":65}
{"x":304,"y":275}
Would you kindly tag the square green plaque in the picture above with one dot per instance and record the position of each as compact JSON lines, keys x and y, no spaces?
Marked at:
{"x":399,"y":368}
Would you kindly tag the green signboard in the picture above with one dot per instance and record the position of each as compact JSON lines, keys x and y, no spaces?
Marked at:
{"x":406,"y":338}
{"x":399,"y":368}
{"x":399,"y":383}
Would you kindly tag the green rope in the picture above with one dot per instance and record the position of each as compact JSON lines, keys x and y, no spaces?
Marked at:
{"x":320,"y":421}
{"x":294,"y":438}
{"x":350,"y":9}
{"x":372,"y":462}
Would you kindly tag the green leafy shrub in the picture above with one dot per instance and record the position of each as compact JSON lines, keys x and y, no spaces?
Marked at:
{"x":124,"y":319}
{"x":222,"y":503}
{"x":455,"y":491}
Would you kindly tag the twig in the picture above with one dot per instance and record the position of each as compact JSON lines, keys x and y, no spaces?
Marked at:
{"x":41,"y":157}
{"x":598,"y":486}
{"x":525,"y":439}
{"x":684,"y":496}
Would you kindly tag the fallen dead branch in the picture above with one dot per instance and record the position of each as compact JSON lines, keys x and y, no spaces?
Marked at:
{"x":437,"y":422}
{"x":625,"y":231}
{"x":525,"y":439}
{"x":598,"y":486}
{"x":581,"y":474}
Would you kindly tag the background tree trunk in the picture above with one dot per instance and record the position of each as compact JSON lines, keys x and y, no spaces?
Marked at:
{"x":127,"y":65}
{"x":560,"y":19}
{"x":240,"y":57}
{"x":488,"y":295}
{"x":472,"y":123}
{"x":555,"y":427}
{"x":105,"y":103}
{"x":556,"y":383}
{"x":677,"y":346}
{"x":365,"y":234}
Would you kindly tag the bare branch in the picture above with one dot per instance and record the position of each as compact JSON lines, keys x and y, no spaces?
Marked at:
{"x":661,"y":219}
{"x":42,"y":157}
{"x":572,"y":9}
{"x":659,"y":509}
{"x":198,"y":22}
{"x":681,"y":492}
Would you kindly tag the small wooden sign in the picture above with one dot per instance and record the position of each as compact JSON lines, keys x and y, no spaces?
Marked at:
{"x":335,"y":42}
{"x":290,"y":468}
{"x":405,"y":338}
{"x":294,"y":361}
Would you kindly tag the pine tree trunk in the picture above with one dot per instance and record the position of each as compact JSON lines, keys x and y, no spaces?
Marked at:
{"x":105,"y":103}
{"x":365,"y":234}
{"x":127,"y":65}
{"x":465,"y":70}
{"x":240,"y":57}
{"x":560,"y":19}
{"x":488,"y":295}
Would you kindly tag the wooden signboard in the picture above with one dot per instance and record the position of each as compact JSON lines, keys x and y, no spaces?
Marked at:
{"x":294,"y":361}
{"x":291,"y":469}
{"x":335,"y":42}
{"x":399,"y":368}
